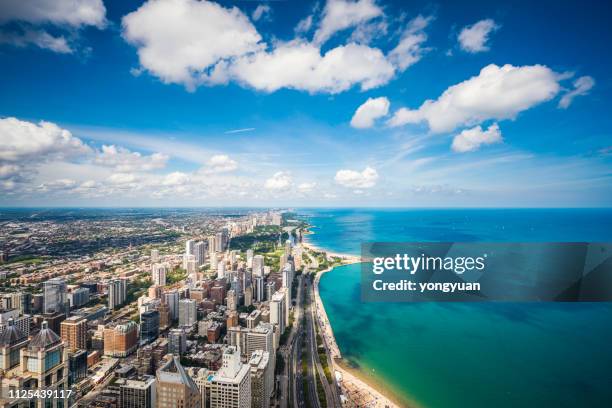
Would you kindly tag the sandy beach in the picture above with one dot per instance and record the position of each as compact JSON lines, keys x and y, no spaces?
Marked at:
{"x":359,"y":391}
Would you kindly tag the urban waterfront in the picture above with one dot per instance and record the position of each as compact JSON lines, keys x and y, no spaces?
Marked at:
{"x":468,"y":354}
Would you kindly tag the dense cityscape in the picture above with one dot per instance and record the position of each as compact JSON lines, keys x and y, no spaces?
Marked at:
{"x":177,"y":309}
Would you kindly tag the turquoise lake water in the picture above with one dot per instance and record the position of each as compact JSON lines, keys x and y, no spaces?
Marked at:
{"x":470,"y":354}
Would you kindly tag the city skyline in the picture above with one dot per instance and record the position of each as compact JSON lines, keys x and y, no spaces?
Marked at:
{"x":367,"y":103}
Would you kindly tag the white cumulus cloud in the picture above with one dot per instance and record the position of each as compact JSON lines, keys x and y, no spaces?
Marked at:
{"x":357,"y":179}
{"x":22,"y":140}
{"x":337,"y":70}
{"x":369,"y":111}
{"x":495,"y":93}
{"x":339,"y":15}
{"x":474,"y":38}
{"x":306,"y":187}
{"x":75,"y":13}
{"x":124,"y":160}
{"x":262,"y":11}
{"x":410,"y":48}
{"x":39,"y":38}
{"x":280,"y":181}
{"x":179,"y":40}
{"x":220,"y":163}
{"x":471,"y":139}
{"x":582,"y":86}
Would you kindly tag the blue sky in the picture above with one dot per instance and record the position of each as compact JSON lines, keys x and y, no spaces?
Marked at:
{"x":195,"y":103}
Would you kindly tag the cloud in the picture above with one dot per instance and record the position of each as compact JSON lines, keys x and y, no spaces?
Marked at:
{"x":123,"y":160}
{"x":74,"y":13}
{"x":474,"y":38}
{"x":495,"y":93}
{"x":221,"y":163}
{"x":280,"y":181}
{"x":65,"y":15}
{"x":205,"y":44}
{"x":582,"y":86}
{"x":23,"y":141}
{"x":306,"y":187}
{"x":122,"y":178}
{"x":196,"y":35}
{"x":470,"y":140}
{"x":229,"y":132}
{"x":355,"y":179}
{"x":304,"y":25}
{"x":369,"y":111}
{"x":339,"y":15}
{"x":262,"y":11}
{"x":9,"y":171}
{"x":176,"y":178}
{"x":39,"y":38}
{"x":336,"y":71}
{"x":409,"y":50}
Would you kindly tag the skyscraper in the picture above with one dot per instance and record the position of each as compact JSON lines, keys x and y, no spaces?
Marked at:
{"x":231,"y":385}
{"x":159,"y":272}
{"x":121,"y":339}
{"x":187,"y":312}
{"x":175,"y":388}
{"x":258,"y":265}
{"x":172,"y":300}
{"x":117,"y":293}
{"x":262,"y":379}
{"x":189,"y":247}
{"x":200,"y":253}
{"x":138,"y":393}
{"x":154,"y":255}
{"x":44,"y":360}
{"x":177,"y":342}
{"x":149,"y":326}
{"x":54,"y":291}
{"x":74,"y":333}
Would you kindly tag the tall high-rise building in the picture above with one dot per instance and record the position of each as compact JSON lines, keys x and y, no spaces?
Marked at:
{"x":278,"y":310}
{"x":249,"y":258}
{"x":259,"y":293}
{"x":74,"y":333}
{"x":232,"y":300}
{"x":200,"y":249}
{"x":159,"y":272}
{"x":258,"y":265}
{"x":26,"y":303}
{"x":138,"y":393}
{"x":172,"y":300}
{"x":189,"y":245}
{"x":188,"y":313}
{"x":77,"y":366}
{"x":12,"y":340}
{"x":177,"y":342}
{"x":149,"y":326}
{"x":54,"y":291}
{"x":78,"y":297}
{"x":117,"y":293}
{"x":270,"y":288}
{"x":154,"y":255}
{"x":219,"y":242}
{"x":175,"y":388}
{"x":221,"y":270}
{"x":262,"y":379}
{"x":120,"y":340}
{"x":231,"y":385}
{"x":164,"y":315}
{"x":44,"y":361}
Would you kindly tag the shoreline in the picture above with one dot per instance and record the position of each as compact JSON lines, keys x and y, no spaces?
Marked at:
{"x":359,"y":389}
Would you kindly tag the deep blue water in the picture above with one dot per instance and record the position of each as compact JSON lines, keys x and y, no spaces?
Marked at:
{"x":476,"y":354}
